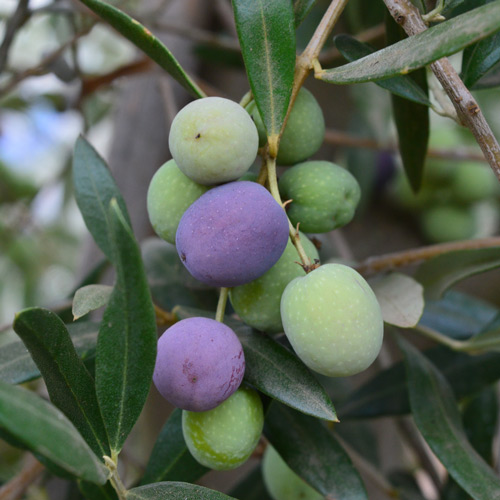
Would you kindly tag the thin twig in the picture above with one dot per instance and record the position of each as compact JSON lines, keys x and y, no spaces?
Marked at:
{"x":339,"y":138}
{"x":469,"y":113}
{"x":17,"y":486}
{"x":200,"y":36}
{"x":416,"y":255}
{"x":42,"y":67}
{"x":20,"y":16}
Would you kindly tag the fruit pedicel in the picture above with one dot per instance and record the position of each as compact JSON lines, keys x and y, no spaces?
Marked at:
{"x":234,"y":234}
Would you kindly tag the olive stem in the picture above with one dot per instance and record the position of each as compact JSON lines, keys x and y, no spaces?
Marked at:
{"x":405,"y":258}
{"x":114,"y":478}
{"x":221,"y":305}
{"x":294,"y":233}
{"x":245,"y":100}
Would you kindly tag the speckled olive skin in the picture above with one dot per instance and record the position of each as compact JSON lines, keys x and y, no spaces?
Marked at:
{"x":213,"y":140}
{"x":258,"y":303}
{"x":325,"y":196}
{"x":225,"y":437}
{"x":232,"y":234}
{"x":281,"y":482}
{"x":333,"y":320}
{"x":199,"y":364}
{"x":304,"y":131}
{"x":170,"y":193}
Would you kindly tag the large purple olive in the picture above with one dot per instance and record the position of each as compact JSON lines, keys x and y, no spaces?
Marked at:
{"x":200,"y":363}
{"x":232,"y":234}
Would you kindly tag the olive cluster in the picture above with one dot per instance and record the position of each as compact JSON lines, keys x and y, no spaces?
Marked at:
{"x":232,"y":233}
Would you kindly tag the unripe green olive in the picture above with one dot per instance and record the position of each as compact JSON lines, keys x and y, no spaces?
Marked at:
{"x":445,"y":223}
{"x":170,"y":194}
{"x":258,"y":303}
{"x":213,"y":140}
{"x":473,"y":182}
{"x":281,"y":482}
{"x":333,"y":320}
{"x":304,"y":131}
{"x":225,"y":437}
{"x":324,"y":195}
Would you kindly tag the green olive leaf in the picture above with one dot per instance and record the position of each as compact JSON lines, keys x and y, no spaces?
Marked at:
{"x":436,"y":414}
{"x":94,"y":189}
{"x":89,"y":298}
{"x":266,"y":32}
{"x":401,"y":299}
{"x":17,"y":365}
{"x":440,"y":273}
{"x":70,"y":385}
{"x":174,"y":491}
{"x":403,"y":86}
{"x":319,"y":460}
{"x":142,"y":38}
{"x":126,"y":346}
{"x":45,"y":430}
{"x":417,"y":51}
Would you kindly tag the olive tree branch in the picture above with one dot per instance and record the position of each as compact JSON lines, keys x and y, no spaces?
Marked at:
{"x":20,"y":16}
{"x":412,"y":256}
{"x":17,"y":486}
{"x":469,"y":113}
{"x":339,"y":138}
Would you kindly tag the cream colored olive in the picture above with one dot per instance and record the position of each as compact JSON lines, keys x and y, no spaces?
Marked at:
{"x":333,"y":320}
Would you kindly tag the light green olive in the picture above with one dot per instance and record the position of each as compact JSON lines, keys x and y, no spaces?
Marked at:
{"x":281,"y":482}
{"x":304,"y":131}
{"x":170,"y":194}
{"x":333,"y":320}
{"x":258,"y":303}
{"x":447,"y":223}
{"x":213,"y":140}
{"x":224,"y":438}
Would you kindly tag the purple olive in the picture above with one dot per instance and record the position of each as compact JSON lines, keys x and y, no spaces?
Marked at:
{"x":200,"y":363}
{"x":232,"y":234}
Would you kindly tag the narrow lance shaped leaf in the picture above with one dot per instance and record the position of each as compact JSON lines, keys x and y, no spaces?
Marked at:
{"x":420,"y":50}
{"x":45,"y":430}
{"x":275,"y":371}
{"x":94,"y":189}
{"x":126,"y":346}
{"x":89,"y":298}
{"x":17,"y":365}
{"x":436,"y":414}
{"x":403,"y":86}
{"x":70,"y":385}
{"x":440,"y":273}
{"x":170,"y":458}
{"x":301,"y":9}
{"x":319,"y":460}
{"x":387,"y":392}
{"x":411,"y":118}
{"x":266,"y":33}
{"x":174,"y":491}
{"x":142,"y":38}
